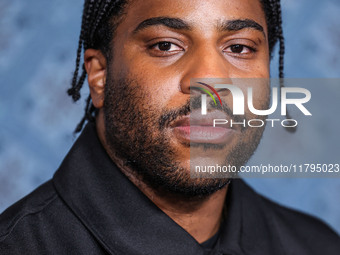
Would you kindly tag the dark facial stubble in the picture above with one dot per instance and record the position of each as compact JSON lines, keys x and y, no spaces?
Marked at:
{"x":135,"y":132}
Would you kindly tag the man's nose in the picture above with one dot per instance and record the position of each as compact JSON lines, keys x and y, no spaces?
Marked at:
{"x":204,"y":63}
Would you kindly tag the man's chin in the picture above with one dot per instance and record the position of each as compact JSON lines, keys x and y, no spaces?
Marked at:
{"x":197,"y":191}
{"x":181,"y":183}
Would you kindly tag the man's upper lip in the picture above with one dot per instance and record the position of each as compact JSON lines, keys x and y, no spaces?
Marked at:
{"x":197,"y":119}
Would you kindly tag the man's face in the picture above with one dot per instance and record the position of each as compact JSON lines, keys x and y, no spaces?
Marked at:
{"x":159,"y":46}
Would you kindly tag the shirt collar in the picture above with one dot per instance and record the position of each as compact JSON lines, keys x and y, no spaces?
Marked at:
{"x":124,"y":220}
{"x":249,"y":227}
{"x":118,"y":214}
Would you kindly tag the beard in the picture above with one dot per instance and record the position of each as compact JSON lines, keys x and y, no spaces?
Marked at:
{"x":136,"y":132}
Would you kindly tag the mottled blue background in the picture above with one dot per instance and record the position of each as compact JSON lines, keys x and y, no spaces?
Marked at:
{"x":38,"y":40}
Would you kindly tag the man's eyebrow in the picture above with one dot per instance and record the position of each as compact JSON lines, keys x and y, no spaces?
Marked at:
{"x":174,"y":23}
{"x":239,"y":24}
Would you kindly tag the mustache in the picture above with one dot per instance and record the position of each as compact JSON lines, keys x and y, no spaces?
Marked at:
{"x":194,"y":104}
{"x":172,"y":115}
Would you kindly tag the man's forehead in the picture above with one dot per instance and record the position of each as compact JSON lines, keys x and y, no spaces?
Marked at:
{"x":197,"y":13}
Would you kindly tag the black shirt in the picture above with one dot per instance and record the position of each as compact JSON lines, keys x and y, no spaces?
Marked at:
{"x":90,"y":207}
{"x":209,"y":244}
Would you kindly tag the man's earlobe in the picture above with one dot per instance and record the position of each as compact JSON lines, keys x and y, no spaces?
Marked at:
{"x":95,"y":65}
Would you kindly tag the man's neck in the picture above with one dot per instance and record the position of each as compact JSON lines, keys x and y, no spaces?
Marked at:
{"x":201,"y":218}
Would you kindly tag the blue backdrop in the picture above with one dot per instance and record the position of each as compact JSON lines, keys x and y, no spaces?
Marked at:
{"x":38,"y":40}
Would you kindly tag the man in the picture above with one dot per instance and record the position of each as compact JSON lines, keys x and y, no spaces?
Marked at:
{"x":125,"y":186}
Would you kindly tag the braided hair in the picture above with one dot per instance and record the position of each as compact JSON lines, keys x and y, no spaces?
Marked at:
{"x":101,"y":18}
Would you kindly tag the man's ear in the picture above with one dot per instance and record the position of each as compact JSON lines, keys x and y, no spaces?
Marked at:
{"x":95,"y":65}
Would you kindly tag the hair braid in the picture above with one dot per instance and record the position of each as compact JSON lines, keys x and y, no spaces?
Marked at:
{"x":74,"y":91}
{"x":103,"y":8}
{"x":88,"y":114}
{"x":281,"y":39}
{"x":95,"y":14}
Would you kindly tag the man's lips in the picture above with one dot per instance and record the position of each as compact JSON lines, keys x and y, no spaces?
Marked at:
{"x":196,"y":128}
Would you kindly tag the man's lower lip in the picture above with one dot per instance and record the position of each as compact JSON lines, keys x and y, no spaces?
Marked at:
{"x":203,"y":134}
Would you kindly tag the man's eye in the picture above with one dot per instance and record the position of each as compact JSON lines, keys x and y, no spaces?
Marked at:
{"x":240,"y":49}
{"x":166,"y":46}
